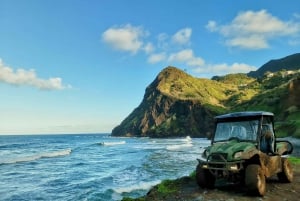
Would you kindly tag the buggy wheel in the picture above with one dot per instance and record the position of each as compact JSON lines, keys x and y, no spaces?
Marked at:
{"x":286,"y":175}
{"x":255,"y":180}
{"x":205,"y":179}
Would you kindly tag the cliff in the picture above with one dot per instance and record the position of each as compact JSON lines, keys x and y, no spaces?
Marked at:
{"x":176,"y":104}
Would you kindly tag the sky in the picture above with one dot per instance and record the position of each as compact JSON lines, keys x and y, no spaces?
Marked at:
{"x":75,"y":66}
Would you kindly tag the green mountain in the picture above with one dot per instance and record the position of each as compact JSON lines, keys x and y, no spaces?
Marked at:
{"x":291,"y":62}
{"x":176,"y":104}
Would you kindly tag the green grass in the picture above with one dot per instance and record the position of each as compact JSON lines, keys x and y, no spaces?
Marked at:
{"x":295,"y":118}
{"x":193,"y":174}
{"x":180,"y":85}
{"x":285,"y":129}
{"x":167,"y":186}
{"x":294,"y":160}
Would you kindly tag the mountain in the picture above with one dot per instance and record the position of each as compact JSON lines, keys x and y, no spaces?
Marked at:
{"x":291,"y":62}
{"x":177,"y":104}
{"x":174,"y":104}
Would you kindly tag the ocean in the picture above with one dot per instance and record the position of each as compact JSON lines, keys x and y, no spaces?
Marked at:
{"x":91,"y":166}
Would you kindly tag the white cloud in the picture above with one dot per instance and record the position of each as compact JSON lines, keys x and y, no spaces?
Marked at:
{"x":223,"y":69}
{"x":254,"y":30}
{"x":29,"y":78}
{"x":149,"y":48}
{"x":182,"y":37}
{"x":182,"y":56}
{"x":251,"y":42}
{"x":162,"y":37}
{"x":243,"y":31}
{"x":162,"y":41}
{"x":186,"y":56}
{"x":125,"y":38}
{"x":133,"y":39}
{"x":212,"y":26}
{"x":155,"y":58}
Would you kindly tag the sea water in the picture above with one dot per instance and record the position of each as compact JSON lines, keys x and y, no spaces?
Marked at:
{"x":91,"y":166}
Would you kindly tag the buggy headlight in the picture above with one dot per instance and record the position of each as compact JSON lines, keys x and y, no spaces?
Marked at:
{"x":237,"y":154}
{"x":234,"y":167}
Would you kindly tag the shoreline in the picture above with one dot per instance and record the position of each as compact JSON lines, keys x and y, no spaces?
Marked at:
{"x":186,"y":188}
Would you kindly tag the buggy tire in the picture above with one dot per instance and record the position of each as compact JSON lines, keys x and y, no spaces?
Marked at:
{"x":255,"y":180}
{"x":286,"y":175}
{"x":205,"y":179}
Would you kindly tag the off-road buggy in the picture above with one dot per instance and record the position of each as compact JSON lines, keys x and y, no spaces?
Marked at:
{"x":244,"y":149}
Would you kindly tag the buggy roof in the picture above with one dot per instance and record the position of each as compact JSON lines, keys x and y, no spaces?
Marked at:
{"x":244,"y":114}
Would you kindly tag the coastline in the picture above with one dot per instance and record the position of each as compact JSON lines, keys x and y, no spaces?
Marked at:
{"x":186,"y":188}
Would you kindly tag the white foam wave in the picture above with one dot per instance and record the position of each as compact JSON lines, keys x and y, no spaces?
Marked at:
{"x":178,"y":146}
{"x":112,"y":143}
{"x":38,"y":156}
{"x":138,"y":186}
{"x":187,"y":139}
{"x":57,"y":153}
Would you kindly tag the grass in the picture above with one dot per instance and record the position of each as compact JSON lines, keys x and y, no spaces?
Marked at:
{"x":286,"y":128}
{"x":193,"y":174}
{"x":294,"y":160}
{"x":180,"y":85}
{"x":167,"y":186}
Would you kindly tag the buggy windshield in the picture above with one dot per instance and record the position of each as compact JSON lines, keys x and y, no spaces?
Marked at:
{"x":243,"y":130}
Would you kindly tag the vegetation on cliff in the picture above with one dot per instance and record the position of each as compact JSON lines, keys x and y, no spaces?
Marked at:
{"x":177,"y":104}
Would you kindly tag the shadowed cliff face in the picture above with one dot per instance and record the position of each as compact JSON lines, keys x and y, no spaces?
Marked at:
{"x":173,"y":117}
{"x":161,"y":115}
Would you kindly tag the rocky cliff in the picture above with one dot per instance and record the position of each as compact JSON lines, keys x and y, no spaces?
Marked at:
{"x":176,"y":104}
{"x":168,"y":109}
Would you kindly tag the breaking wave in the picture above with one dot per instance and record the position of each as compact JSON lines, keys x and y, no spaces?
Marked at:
{"x":112,"y":143}
{"x":138,"y":186}
{"x":187,"y":139}
{"x":187,"y":143}
{"x":178,"y":146}
{"x":53,"y":154}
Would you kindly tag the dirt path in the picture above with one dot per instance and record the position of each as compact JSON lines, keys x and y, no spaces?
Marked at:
{"x":189,"y":191}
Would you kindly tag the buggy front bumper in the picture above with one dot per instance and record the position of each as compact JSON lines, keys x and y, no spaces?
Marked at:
{"x":221,"y":163}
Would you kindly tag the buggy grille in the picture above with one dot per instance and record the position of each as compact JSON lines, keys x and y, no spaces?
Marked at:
{"x":218,"y":157}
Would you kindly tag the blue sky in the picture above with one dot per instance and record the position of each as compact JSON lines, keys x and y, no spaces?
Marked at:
{"x":74,"y":66}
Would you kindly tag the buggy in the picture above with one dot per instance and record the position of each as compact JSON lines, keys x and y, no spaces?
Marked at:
{"x":244,"y":149}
